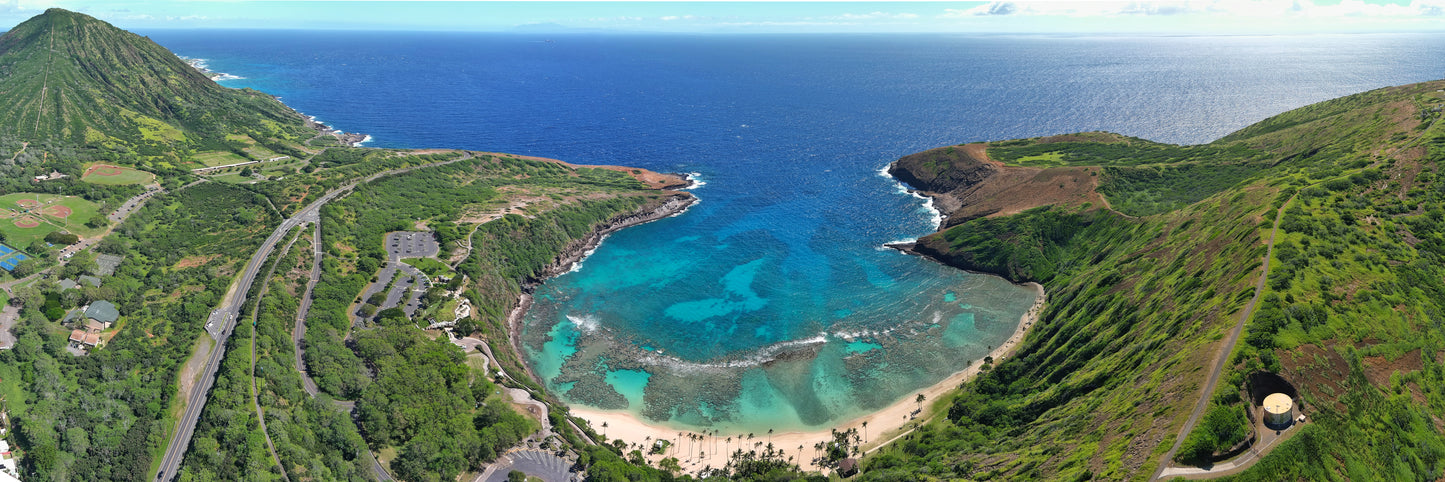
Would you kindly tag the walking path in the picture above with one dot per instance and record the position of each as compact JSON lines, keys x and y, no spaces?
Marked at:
{"x":1245,"y":461}
{"x":1224,"y":350}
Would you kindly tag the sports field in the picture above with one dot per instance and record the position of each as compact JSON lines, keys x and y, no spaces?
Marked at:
{"x":26,"y":217}
{"x":218,"y":158}
{"x":108,"y":174}
{"x":10,"y":257}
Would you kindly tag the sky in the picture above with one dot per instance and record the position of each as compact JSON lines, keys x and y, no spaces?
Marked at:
{"x":1228,"y":17}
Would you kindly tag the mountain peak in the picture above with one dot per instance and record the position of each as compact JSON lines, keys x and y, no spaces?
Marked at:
{"x":76,"y":79}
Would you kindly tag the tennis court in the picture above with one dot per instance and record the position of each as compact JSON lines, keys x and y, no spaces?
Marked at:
{"x":10,"y":257}
{"x":13,"y":261}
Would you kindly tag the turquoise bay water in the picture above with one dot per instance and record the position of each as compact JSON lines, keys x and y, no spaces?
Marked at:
{"x":770,"y":304}
{"x":734,"y":327}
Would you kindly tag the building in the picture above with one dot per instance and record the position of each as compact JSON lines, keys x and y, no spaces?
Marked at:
{"x":52,"y":175}
{"x":102,"y":311}
{"x":1278,"y":410}
{"x":82,"y":338}
{"x":9,"y":471}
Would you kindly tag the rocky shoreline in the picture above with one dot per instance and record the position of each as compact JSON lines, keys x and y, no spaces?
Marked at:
{"x":352,"y":139}
{"x":577,"y":250}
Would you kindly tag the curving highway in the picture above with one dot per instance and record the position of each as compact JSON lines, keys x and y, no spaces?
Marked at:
{"x":223,"y":320}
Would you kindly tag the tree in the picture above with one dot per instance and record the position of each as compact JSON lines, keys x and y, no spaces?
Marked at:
{"x":920,"y":400}
{"x":516,"y":476}
{"x":26,"y":268}
{"x":670,"y":465}
{"x":57,"y":237}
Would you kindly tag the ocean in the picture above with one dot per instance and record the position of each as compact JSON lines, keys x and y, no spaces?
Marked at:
{"x":772,"y":304}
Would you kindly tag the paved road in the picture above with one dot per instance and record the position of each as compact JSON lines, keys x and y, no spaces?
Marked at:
{"x":1219,"y":359}
{"x":536,"y":463}
{"x":225,"y":320}
{"x":299,"y":332}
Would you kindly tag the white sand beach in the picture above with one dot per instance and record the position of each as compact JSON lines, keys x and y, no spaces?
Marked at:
{"x":883,"y":425}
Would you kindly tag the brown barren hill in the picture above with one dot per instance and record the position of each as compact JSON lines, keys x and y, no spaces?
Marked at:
{"x":965,"y":184}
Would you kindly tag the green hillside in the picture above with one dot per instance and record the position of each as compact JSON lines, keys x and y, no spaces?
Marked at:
{"x":1143,"y":295}
{"x":68,"y":78}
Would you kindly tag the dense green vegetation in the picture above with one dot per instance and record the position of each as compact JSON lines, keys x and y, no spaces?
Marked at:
{"x":103,"y":416}
{"x":313,"y":439}
{"x":1142,"y":292}
{"x":444,"y":417}
{"x":75,"y":80}
{"x":1350,"y":315}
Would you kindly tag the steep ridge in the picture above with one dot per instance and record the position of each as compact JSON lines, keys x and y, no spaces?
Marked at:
{"x":1141,"y":299}
{"x":71,"y":78}
{"x":965,"y":184}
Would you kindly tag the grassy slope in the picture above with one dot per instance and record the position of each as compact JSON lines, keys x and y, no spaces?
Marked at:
{"x":70,"y":78}
{"x":1137,"y":305}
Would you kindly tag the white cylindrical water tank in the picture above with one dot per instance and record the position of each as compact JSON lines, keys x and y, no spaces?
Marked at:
{"x":1278,"y":410}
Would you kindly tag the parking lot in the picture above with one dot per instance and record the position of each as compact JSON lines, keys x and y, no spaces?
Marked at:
{"x":409,"y":244}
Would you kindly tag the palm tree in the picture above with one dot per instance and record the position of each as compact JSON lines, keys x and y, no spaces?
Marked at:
{"x":604,"y":430}
{"x":865,"y":431}
{"x":920,"y":400}
{"x":770,"y":435}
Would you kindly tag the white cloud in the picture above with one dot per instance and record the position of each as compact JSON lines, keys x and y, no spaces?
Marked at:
{"x":1224,"y":8}
{"x":876,"y":16}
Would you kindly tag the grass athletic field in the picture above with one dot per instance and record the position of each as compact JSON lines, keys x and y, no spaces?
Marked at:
{"x":115,"y":175}
{"x":218,"y":158}
{"x":26,"y":217}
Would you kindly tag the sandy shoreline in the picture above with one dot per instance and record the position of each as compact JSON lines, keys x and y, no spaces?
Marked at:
{"x":883,"y":425}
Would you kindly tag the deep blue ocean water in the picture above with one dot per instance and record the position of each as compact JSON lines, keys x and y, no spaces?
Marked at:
{"x":770,"y":304}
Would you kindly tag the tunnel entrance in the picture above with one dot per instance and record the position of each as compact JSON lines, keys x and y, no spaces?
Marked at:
{"x":1262,"y":384}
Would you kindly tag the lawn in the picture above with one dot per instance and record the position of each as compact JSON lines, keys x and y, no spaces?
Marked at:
{"x":116,"y":175}
{"x":23,"y":220}
{"x":431,"y":266}
{"x":218,"y":158}
{"x":12,"y":388}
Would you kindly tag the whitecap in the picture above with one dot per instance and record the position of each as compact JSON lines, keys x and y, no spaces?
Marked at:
{"x":695,"y":181}
{"x":585,"y":323}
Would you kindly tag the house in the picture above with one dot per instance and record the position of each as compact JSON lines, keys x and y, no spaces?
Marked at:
{"x":102,"y":311}
{"x":66,"y":284}
{"x":847,"y":467}
{"x":52,"y":175}
{"x":80,"y":337}
{"x":9,"y":471}
{"x":90,"y":280}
